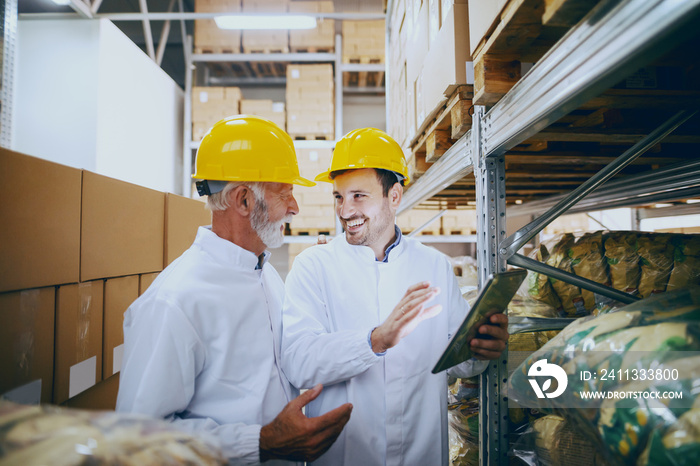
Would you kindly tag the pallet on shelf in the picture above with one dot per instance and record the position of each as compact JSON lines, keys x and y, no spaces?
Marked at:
{"x":218,"y":48}
{"x":312,"y":231}
{"x":448,"y":122}
{"x":311,"y":49}
{"x":522,"y":33}
{"x":311,"y":137}
{"x":252,"y":46}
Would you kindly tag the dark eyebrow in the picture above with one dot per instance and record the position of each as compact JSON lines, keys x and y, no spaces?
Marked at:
{"x":354,"y":191}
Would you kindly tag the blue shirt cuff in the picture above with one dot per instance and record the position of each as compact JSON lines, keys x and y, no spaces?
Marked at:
{"x":369,"y":342}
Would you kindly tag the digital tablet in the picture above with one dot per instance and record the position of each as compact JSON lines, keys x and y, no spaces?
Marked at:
{"x":493,"y":298}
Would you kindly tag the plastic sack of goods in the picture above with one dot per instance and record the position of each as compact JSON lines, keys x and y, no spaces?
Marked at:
{"x":637,"y":352}
{"x":463,"y":422}
{"x":638,"y":263}
{"x":63,"y":436}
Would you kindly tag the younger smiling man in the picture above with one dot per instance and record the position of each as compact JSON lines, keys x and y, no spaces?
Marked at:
{"x":342,"y":325}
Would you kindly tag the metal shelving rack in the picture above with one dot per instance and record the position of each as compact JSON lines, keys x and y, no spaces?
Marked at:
{"x":614,"y":39}
{"x":339,"y":69}
{"x":9,"y":46}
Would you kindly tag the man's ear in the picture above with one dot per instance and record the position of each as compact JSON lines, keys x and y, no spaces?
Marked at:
{"x":395,"y":195}
{"x":241,"y":199}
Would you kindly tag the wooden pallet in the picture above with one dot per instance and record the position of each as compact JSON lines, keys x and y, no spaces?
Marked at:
{"x":524,"y":33}
{"x":312,"y":231}
{"x":203,"y":49}
{"x":449,"y":121}
{"x":363,"y":78}
{"x":311,"y":137}
{"x":262,"y":49}
{"x":300,"y":49}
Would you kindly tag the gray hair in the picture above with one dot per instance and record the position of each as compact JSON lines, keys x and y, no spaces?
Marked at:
{"x":219,"y":201}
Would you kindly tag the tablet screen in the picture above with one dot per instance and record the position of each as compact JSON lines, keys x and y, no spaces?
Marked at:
{"x":493,"y":298}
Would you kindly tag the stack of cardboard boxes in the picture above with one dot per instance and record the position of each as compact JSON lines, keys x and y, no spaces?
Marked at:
{"x":363,"y":41}
{"x":452,"y":222}
{"x":426,"y":35}
{"x":310,"y":101}
{"x":321,"y":39}
{"x":265,"y":108}
{"x":211,"y":104}
{"x":76,"y":248}
{"x":316,"y":214}
{"x":208,"y":37}
{"x":265,"y":41}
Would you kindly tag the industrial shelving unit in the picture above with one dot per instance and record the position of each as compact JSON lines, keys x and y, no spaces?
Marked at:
{"x":339,"y":68}
{"x":616,"y":38}
{"x":9,"y":46}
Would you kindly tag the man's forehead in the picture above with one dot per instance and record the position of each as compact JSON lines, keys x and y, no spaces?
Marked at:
{"x":361,"y":177}
{"x":279,"y":187}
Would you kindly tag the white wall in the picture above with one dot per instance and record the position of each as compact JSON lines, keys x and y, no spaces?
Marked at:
{"x":139,"y":115}
{"x":89,"y":98}
{"x":55,"y":111}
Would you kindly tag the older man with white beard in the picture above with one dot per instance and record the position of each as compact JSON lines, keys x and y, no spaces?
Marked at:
{"x":202,"y":345}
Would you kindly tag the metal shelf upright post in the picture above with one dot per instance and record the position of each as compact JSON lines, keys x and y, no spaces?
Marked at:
{"x":614,"y":39}
{"x":9,"y":45}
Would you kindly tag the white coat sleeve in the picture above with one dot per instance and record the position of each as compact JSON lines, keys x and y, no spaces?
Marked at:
{"x":162,"y":358}
{"x":458,"y":310}
{"x":311,"y":354}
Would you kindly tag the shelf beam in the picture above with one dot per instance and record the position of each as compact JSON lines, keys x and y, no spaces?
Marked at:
{"x":164,"y":16}
{"x":454,"y":165}
{"x":513,"y":243}
{"x":263,"y":57}
{"x":613,"y":40}
{"x":680,"y":181}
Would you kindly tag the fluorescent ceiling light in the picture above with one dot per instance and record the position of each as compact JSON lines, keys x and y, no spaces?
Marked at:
{"x":265,"y":22}
{"x":61,"y":2}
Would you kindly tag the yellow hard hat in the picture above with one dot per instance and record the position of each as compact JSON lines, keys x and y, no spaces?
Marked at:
{"x":367,"y":148}
{"x":246,"y":148}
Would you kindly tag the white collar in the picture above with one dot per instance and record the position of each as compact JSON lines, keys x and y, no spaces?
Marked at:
{"x":228,"y":252}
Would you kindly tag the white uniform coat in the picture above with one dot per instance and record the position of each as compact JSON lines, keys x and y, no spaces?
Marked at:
{"x":201,"y":347}
{"x":335,"y":295}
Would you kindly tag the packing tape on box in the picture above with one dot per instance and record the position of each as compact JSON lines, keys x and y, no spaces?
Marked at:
{"x":25,"y":343}
{"x":83,"y":333}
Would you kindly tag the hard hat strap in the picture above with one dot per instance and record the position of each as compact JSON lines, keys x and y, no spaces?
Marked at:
{"x":209,"y":187}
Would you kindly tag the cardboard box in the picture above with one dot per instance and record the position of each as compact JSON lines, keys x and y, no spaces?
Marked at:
{"x":119,"y":294}
{"x":183,"y":216}
{"x":482,"y":15}
{"x":27,"y":344}
{"x":122,"y":228}
{"x":208,"y":36}
{"x":418,"y":42}
{"x":321,"y":37}
{"x":78,"y":350}
{"x":101,"y":397}
{"x":449,"y":53}
{"x":40,"y":218}
{"x":434,"y":19}
{"x":145,"y":280}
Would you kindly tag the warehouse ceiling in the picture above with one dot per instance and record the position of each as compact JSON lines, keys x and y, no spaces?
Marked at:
{"x":173,"y":61}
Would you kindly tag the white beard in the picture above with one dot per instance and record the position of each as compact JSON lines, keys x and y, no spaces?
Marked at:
{"x":270,"y":233}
